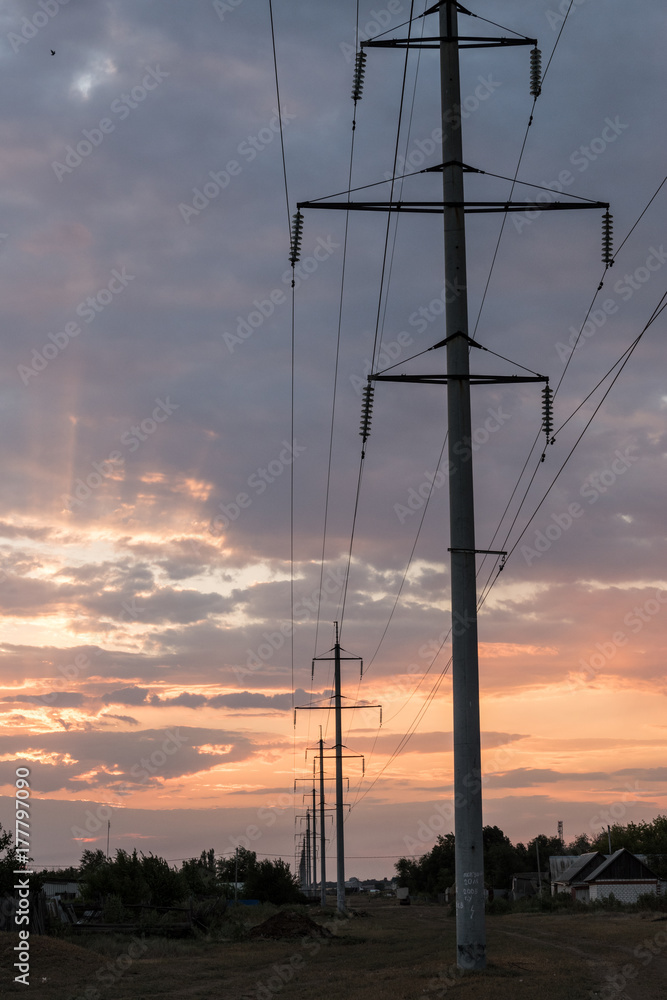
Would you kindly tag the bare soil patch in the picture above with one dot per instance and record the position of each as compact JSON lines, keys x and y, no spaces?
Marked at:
{"x":392,"y":953}
{"x":288,"y":924}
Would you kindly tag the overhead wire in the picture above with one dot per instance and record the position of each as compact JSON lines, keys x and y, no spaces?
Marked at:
{"x":622,"y":361}
{"x":489,"y":584}
{"x":627,"y":354}
{"x":335,"y":391}
{"x":515,"y":181}
{"x":516,"y":172}
{"x":408,"y":133}
{"x":662,"y":305}
{"x":383,"y":272}
{"x":292,"y":365}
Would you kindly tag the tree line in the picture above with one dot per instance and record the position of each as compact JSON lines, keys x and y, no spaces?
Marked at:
{"x":139,"y":878}
{"x":434,"y":872}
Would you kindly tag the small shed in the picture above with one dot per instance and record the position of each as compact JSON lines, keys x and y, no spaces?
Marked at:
{"x":60,"y":888}
{"x":527,"y":884}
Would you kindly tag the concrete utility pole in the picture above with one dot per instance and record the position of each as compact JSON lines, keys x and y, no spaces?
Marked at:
{"x":308,"y":868}
{"x":469,"y":855}
{"x":323,"y":864}
{"x":470,"y":892}
{"x":539,"y":870}
{"x":340,"y":837}
{"x":314,"y":882}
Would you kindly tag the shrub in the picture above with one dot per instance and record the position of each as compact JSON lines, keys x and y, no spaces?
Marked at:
{"x":651,"y":901}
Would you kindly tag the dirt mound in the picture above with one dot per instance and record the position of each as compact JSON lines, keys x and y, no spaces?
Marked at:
{"x":288,"y":924}
{"x":55,"y":965}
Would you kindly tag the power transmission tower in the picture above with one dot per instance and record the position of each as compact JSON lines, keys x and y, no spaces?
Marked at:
{"x":323,"y":864}
{"x":338,"y":748}
{"x":470,"y":889}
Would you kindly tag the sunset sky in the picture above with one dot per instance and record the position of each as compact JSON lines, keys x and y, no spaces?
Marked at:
{"x":151,"y":441}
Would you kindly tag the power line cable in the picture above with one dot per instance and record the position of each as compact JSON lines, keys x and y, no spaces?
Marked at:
{"x":516,"y":172}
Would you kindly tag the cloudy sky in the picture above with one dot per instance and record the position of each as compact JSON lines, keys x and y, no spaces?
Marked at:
{"x":180,"y":447}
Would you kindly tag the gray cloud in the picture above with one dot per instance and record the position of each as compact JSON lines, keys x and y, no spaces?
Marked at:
{"x":129,"y":574}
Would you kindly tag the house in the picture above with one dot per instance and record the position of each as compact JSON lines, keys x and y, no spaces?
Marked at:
{"x":598,"y":876}
{"x":558,"y":863}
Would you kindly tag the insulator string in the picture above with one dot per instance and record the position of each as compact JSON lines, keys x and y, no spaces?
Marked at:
{"x":359,"y":71}
{"x":535,"y":72}
{"x":297,"y":235}
{"x":366,"y":411}
{"x":547,"y":416}
{"x":607,"y":239}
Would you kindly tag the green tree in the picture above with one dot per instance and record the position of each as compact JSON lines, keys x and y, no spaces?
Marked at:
{"x":9,"y":862}
{"x":501,"y":858}
{"x":132,"y":878}
{"x":433,"y":872}
{"x":241,"y":865}
{"x":166,"y":885}
{"x":201,"y":875}
{"x":272,"y":882}
{"x":581,"y":844}
{"x":91,"y":860}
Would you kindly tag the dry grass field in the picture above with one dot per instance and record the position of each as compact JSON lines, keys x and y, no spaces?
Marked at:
{"x":386,"y":951}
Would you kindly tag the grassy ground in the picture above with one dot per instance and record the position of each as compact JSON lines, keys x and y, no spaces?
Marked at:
{"x":388,"y":951}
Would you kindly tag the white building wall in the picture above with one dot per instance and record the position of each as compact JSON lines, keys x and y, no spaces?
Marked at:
{"x":625,"y":892}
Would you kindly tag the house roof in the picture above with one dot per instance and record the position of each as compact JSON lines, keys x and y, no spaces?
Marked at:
{"x":621,"y":864}
{"x":584,"y":864}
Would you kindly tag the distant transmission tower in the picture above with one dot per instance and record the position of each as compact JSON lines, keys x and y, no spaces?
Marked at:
{"x":338,"y":748}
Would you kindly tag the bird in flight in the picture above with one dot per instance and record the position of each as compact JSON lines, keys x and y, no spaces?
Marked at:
{"x":53,"y":52}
